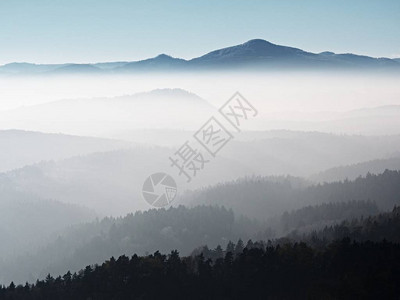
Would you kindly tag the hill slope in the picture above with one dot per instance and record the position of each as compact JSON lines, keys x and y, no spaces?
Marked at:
{"x":45,"y":146}
{"x":162,"y":108}
{"x":262,"y":197}
{"x":351,"y":172}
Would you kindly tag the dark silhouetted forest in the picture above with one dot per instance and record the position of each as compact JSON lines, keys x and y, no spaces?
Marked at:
{"x":344,"y":210}
{"x":343,"y":270}
{"x":371,"y":228}
{"x":179,"y":228}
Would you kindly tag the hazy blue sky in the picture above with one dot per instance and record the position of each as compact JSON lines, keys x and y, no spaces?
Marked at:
{"x":102,"y":30}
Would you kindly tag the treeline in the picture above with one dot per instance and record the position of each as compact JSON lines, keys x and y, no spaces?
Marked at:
{"x":186,"y":228}
{"x":179,"y":228}
{"x":315,"y":217}
{"x":371,"y":228}
{"x":343,"y":270}
{"x":261,"y":197}
{"x":353,"y":171}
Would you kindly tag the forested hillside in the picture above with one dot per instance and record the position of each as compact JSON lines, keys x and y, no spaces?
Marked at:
{"x":261,"y":197}
{"x":282,"y":205}
{"x":314,"y":217}
{"x":353,"y":171}
{"x":176,"y":228}
{"x":143,"y":232}
{"x":372,"y":228}
{"x":344,"y":270}
{"x":26,"y":221}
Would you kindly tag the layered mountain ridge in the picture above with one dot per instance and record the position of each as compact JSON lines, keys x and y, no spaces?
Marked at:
{"x":255,"y":54}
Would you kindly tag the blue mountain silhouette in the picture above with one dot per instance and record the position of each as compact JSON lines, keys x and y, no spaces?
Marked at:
{"x":255,"y":54}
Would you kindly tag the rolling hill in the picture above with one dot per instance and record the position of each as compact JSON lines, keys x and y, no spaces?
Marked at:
{"x":162,"y":108}
{"x":353,"y":171}
{"x":185,"y":228}
{"x":46,"y":146}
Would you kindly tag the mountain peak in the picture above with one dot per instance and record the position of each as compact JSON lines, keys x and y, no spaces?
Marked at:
{"x":250,"y":53}
{"x":327,"y":53}
{"x":255,"y":53}
{"x":256,"y":42}
{"x":164,"y":56}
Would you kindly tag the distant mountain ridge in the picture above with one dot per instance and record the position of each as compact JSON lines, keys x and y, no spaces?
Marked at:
{"x":255,"y":54}
{"x":353,"y":171}
{"x":47,"y":146}
{"x":174,"y":108}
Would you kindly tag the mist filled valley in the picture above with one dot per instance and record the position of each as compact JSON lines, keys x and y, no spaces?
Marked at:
{"x":234,"y":168}
{"x":73,"y":168}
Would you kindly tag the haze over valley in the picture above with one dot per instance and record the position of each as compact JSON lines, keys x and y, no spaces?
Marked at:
{"x":254,"y":157}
